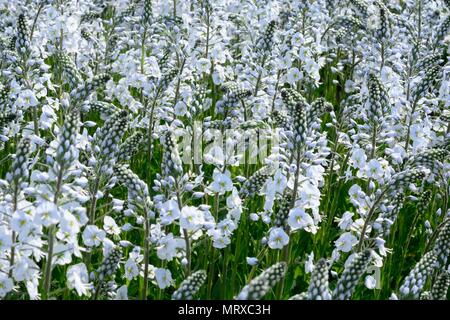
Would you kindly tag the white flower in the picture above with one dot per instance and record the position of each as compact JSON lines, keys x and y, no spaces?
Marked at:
{"x":151,"y":67}
{"x":226,"y":226}
{"x":277,"y":238}
{"x":6,"y":284}
{"x":191,"y":218}
{"x":214,"y":155}
{"x":221,"y":182}
{"x":285,"y":62}
{"x":297,"y":39}
{"x":312,"y":68}
{"x":131,"y":269}
{"x":63,"y":253}
{"x":373,"y":21}
{"x":370,"y":282}
{"x":220,"y":240}
{"x":166,"y":249}
{"x":374,"y":169}
{"x":203,"y":65}
{"x":345,"y":242}
{"x":5,"y":239}
{"x":294,"y":75}
{"x":309,"y":264}
{"x":21,"y":223}
{"x":25,"y":270}
{"x":278,"y":183}
{"x":122,"y":293}
{"x":346,"y":220}
{"x":169,"y":212}
{"x":310,"y":198}
{"x":380,"y":245}
{"x":93,"y":236}
{"x":180,"y":108}
{"x":252,"y":261}
{"x":163,"y":278}
{"x":78,"y":279}
{"x":233,"y":200}
{"x":27,"y":99}
{"x":420,"y":134}
{"x":335,"y":255}
{"x":356,"y":195}
{"x":358,"y":158}
{"x":299,"y":219}
{"x":71,"y":24}
{"x":393,"y":296}
{"x":46,"y":214}
{"x":377,"y":260}
{"x":32,"y":288}
{"x":69,"y":224}
{"x":110,"y":226}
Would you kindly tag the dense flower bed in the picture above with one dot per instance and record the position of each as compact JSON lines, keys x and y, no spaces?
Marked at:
{"x":224,"y":149}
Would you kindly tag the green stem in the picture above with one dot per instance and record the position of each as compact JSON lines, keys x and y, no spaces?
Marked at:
{"x":174,"y":8}
{"x":146,"y":255}
{"x":41,"y":5}
{"x":413,"y":109}
{"x":51,"y":240}
{"x":374,"y":141}
{"x":93,"y":206}
{"x":436,"y":234}
{"x":35,"y":121}
{"x":13,"y":235}
{"x":185,"y":233}
{"x":258,"y":80}
{"x":368,"y":219}
{"x":48,"y":266}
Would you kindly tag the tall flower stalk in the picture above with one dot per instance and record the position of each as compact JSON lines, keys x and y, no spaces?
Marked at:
{"x":64,"y":158}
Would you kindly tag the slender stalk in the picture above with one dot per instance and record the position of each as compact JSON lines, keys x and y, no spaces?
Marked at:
{"x":174,"y":8}
{"x":408,"y":84}
{"x":35,"y":121}
{"x":150,"y":131}
{"x":13,"y":235}
{"x":374,"y":141}
{"x":330,"y":174}
{"x":93,"y":206}
{"x":436,"y":234}
{"x":146,"y":255}
{"x":246,"y":143}
{"x":212,"y":263}
{"x":188,"y":252}
{"x":48,"y":265}
{"x":286,"y":249}
{"x":368,"y":219}
{"x":258,"y":80}
{"x":178,"y":86}
{"x":51,"y":230}
{"x":276,"y":90}
{"x":409,"y":237}
{"x":144,"y":37}
{"x":413,"y":109}
{"x":97,"y":290}
{"x":185,"y":232}
{"x":207,"y":31}
{"x":224,"y":272}
{"x":41,"y":5}
{"x":419,"y":21}
{"x":382,"y":55}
